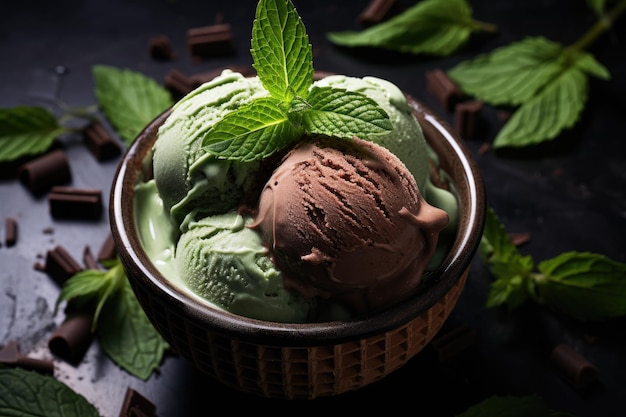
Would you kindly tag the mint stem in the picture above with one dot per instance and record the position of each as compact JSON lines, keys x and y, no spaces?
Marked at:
{"x":604,"y":23}
{"x":484,"y":26}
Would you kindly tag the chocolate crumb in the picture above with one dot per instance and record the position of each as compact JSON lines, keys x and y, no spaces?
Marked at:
{"x":48,"y":230}
{"x":10,"y":232}
{"x":443,"y":89}
{"x":107,"y":250}
{"x":375,"y":12}
{"x":72,"y":338}
{"x":75,"y":203}
{"x":573,"y":367}
{"x":519,"y":239}
{"x":210,"y":41}
{"x":46,"y":171}
{"x":100,"y":143}
{"x":137,"y":405}
{"x":9,"y":353}
{"x":161,"y":49}
{"x":60,"y":265}
{"x":484,"y":148}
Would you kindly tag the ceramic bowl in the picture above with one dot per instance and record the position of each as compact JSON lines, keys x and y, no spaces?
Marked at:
{"x":298,"y":361}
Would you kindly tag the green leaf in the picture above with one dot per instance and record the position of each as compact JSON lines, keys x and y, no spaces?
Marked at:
{"x":26,"y":131}
{"x":340,"y":113}
{"x":128,"y":337}
{"x":510,"y":289}
{"x":509,"y":406}
{"x":281,"y":51}
{"x":496,"y":244}
{"x":27,"y":393}
{"x":433,"y":27}
{"x":130,"y":100}
{"x":587,"y":286}
{"x":254,"y":131}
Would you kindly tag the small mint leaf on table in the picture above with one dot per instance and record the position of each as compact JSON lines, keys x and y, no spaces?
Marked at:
{"x":431,"y":27}
{"x":27,"y":393}
{"x":340,"y":113}
{"x":129,"y":99}
{"x":586,"y":286}
{"x":26,"y":131}
{"x":282,"y":55}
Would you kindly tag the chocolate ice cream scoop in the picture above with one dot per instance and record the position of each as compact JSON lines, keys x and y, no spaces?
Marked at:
{"x":345,"y":221}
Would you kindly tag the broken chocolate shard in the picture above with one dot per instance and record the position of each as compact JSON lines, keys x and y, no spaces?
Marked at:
{"x":519,"y":239}
{"x":10,"y":232}
{"x":467,"y":118}
{"x":9,"y":353}
{"x":89,"y":259}
{"x":178,"y":84}
{"x":107,"y":251}
{"x":46,"y":171}
{"x":136,"y":404}
{"x":443,"y":89}
{"x":100,"y":142}
{"x":72,"y":338}
{"x":75,"y":203}
{"x":161,"y":49}
{"x":210,"y":41}
{"x":573,"y":367}
{"x":375,"y":12}
{"x":43,"y":366}
{"x":60,"y":265}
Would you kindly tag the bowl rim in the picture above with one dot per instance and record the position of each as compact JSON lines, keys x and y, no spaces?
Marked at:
{"x":140,"y":271}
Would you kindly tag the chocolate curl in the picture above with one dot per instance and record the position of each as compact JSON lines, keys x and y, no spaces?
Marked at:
{"x":60,"y":265}
{"x":375,"y":12}
{"x":136,"y":405}
{"x":443,"y":89}
{"x":72,"y":338}
{"x":573,"y":367}
{"x":100,"y":143}
{"x":209,"y":41}
{"x":10,"y":232}
{"x":42,"y":173}
{"x":75,"y":203}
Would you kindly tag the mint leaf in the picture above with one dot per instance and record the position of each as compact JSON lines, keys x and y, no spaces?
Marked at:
{"x":27,"y":393}
{"x":281,"y":51}
{"x":26,"y":131}
{"x":432,"y":27}
{"x":127,"y":335}
{"x":130,"y":100}
{"x":340,"y":113}
{"x":509,"y":406}
{"x":587,"y":286}
{"x":252,"y":132}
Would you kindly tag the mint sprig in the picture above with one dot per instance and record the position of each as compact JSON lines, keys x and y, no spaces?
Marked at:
{"x":585,"y":286}
{"x":283,"y":59}
{"x":123,"y":329}
{"x":431,"y":27}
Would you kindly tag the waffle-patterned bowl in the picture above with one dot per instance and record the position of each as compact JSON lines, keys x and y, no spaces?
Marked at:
{"x":301,"y":361}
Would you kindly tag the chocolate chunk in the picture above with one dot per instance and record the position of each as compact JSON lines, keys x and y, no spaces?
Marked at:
{"x":60,"y":265}
{"x":43,"y":366}
{"x":519,"y":239}
{"x":107,"y":250}
{"x":46,"y":171}
{"x":210,"y":41}
{"x":451,"y":343}
{"x":573,"y":367}
{"x":443,"y":89}
{"x":467,"y":118}
{"x":375,"y":12}
{"x":100,"y":143}
{"x":137,"y":405}
{"x":72,"y":338}
{"x":178,"y":84}
{"x":75,"y":203}
{"x":10,"y":232}
{"x":161,"y":48}
{"x":9,"y":353}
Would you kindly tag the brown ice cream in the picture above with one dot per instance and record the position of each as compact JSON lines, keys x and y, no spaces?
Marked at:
{"x":344,"y":220}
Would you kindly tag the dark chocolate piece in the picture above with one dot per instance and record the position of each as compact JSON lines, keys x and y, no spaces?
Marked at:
{"x":72,"y":338}
{"x":137,"y":405}
{"x":43,"y":366}
{"x":100,"y":142}
{"x":42,"y":173}
{"x":60,"y":265}
{"x":451,"y":343}
{"x":107,"y":250}
{"x":178,"y":84}
{"x":210,"y":41}
{"x":573,"y":367}
{"x":318,"y":75}
{"x":467,"y":117}
{"x":443,"y":89}
{"x":484,"y":148}
{"x":75,"y":203}
{"x":89,"y":259}
{"x":161,"y":48}
{"x":519,"y":239}
{"x":375,"y":12}
{"x":9,"y":353}
{"x":10,"y":232}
